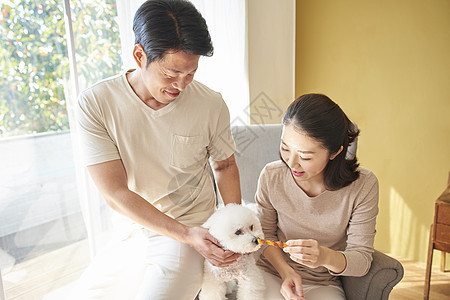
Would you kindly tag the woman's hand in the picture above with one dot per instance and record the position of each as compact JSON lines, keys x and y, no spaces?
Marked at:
{"x":311,"y":254}
{"x":305,"y":252}
{"x":201,"y":240}
{"x":292,"y":288}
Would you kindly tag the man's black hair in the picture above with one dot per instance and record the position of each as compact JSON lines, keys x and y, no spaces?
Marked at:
{"x":171,"y":25}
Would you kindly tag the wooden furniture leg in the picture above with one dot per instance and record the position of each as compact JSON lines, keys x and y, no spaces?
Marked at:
{"x":443,"y":257}
{"x":426,"y":292}
{"x":439,"y":235}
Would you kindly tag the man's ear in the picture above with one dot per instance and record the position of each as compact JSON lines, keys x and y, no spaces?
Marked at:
{"x":139,"y":56}
{"x":332,"y":156}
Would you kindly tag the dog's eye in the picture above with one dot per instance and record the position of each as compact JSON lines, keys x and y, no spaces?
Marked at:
{"x":238,"y":232}
{"x":251,"y":228}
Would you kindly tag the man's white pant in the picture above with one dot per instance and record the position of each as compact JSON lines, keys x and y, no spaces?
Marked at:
{"x":173,"y":270}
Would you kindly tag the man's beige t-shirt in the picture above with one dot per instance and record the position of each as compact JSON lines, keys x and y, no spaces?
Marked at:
{"x":165,"y":152}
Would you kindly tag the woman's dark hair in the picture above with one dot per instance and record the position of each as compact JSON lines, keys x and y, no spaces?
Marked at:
{"x":322,"y":119}
{"x":163,"y":25}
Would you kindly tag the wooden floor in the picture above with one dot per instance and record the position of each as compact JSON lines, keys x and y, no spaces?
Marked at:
{"x":33,"y":279}
{"x":412,"y":285}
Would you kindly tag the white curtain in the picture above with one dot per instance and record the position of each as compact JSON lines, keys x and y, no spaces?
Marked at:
{"x":125,"y":14}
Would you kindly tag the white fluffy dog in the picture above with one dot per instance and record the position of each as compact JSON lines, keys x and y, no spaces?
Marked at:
{"x":236,"y":227}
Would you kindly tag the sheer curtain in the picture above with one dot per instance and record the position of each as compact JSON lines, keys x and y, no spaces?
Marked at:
{"x":125,"y":12}
{"x":97,"y":216}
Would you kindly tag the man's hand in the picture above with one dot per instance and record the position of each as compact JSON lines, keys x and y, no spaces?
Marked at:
{"x":201,"y":240}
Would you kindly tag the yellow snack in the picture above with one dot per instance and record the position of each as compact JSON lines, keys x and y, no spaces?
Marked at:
{"x":278,"y":244}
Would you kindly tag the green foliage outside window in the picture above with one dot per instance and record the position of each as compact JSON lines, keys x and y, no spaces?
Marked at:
{"x":34,"y":64}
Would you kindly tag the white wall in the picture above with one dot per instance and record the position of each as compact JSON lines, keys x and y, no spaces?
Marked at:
{"x":271,"y":57}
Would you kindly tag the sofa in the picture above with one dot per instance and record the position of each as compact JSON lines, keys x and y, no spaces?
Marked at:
{"x":115,"y":273}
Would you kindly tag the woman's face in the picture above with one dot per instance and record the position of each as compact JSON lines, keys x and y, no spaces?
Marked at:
{"x":305,"y":156}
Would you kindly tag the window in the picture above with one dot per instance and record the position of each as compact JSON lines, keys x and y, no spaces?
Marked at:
{"x":39,"y":206}
{"x":33,"y":68}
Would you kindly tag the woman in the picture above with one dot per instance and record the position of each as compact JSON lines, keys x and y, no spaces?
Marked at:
{"x":321,"y":204}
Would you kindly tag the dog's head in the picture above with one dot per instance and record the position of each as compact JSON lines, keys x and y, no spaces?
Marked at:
{"x":236,"y":227}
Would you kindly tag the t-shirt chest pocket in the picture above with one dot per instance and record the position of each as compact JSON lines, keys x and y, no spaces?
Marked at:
{"x":188,"y":151}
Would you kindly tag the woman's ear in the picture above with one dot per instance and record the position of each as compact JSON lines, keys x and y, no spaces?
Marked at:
{"x":332,"y":156}
{"x":139,"y":56}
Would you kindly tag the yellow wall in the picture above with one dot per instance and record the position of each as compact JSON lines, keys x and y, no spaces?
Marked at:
{"x":387,"y":64}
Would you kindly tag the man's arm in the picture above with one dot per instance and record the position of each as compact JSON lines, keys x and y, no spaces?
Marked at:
{"x":226,"y":174}
{"x":111,"y":180}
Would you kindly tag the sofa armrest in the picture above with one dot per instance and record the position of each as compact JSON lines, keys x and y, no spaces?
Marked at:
{"x":383,"y":275}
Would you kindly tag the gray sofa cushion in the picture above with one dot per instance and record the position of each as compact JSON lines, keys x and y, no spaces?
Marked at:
{"x":256,"y":145}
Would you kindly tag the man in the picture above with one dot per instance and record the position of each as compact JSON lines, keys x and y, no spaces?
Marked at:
{"x":146,"y":139}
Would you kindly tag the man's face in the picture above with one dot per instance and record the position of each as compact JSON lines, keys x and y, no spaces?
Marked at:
{"x":164,"y":79}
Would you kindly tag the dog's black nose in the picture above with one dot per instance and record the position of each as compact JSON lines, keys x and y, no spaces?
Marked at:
{"x":255,"y":240}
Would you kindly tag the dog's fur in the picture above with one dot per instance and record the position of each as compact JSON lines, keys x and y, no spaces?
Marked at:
{"x":236,"y":227}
